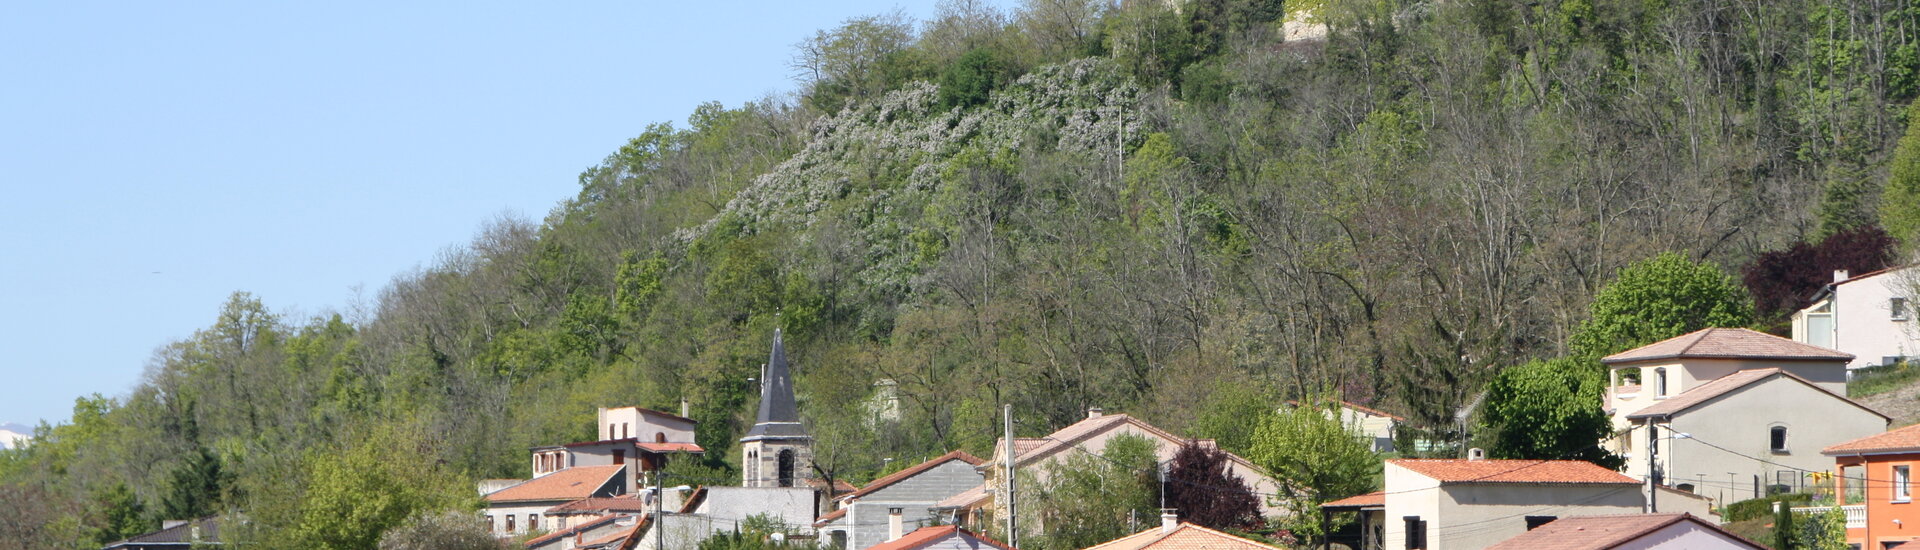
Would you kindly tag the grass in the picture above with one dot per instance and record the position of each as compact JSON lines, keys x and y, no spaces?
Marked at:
{"x":1877,"y":380}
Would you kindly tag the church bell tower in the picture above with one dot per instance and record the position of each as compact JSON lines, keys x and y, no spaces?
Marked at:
{"x":777,"y":452}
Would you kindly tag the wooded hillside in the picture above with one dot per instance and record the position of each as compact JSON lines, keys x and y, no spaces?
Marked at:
{"x":1166,"y":212}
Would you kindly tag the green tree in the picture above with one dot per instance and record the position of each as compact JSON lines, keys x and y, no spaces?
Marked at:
{"x":1231,"y":414}
{"x":1824,"y":531}
{"x":356,"y":494}
{"x":448,"y":530}
{"x":119,"y":514}
{"x":974,"y":77}
{"x":1320,"y":460}
{"x":195,"y":487}
{"x":1547,"y":410}
{"x":1900,"y":200}
{"x":1088,"y":499}
{"x":1659,"y":298}
{"x":1784,"y":534}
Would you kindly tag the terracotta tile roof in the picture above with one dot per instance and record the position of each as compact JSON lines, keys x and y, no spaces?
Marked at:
{"x":671,"y":448}
{"x":1903,"y":440}
{"x":1376,"y":498}
{"x":602,"y":505}
{"x":618,"y":536}
{"x":1185,"y":537}
{"x":694,"y":500}
{"x":840,"y":486}
{"x":828,"y":518}
{"x":1448,"y":471}
{"x":923,"y":536}
{"x":1717,"y":387}
{"x":571,"y":531}
{"x":966,"y":499}
{"x":1605,"y":532}
{"x":917,"y":469}
{"x":1023,"y":444}
{"x":573,"y":483}
{"x":1727,"y":343}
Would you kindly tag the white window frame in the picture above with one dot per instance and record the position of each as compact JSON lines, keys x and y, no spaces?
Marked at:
{"x":1660,"y":383}
{"x":1902,"y":483}
{"x":1897,"y":308}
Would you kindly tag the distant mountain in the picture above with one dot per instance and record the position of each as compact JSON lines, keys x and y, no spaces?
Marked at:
{"x":10,"y":432}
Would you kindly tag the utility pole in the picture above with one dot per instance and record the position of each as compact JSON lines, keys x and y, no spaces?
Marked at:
{"x":659,"y":507}
{"x":1013,"y":536}
{"x":1653,"y":450}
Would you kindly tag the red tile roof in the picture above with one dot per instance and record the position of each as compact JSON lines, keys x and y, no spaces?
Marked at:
{"x":1185,"y":537}
{"x":1727,"y":343}
{"x":573,"y":483}
{"x":1512,"y":471}
{"x":827,"y":518}
{"x":914,"y":470}
{"x":671,"y":448}
{"x":1376,"y":498}
{"x":923,"y":536}
{"x":1730,"y":383}
{"x":619,"y":535}
{"x":602,"y":504}
{"x":1605,"y":532}
{"x":1903,"y":440}
{"x":571,"y":531}
{"x":840,"y":486}
{"x":966,"y":499}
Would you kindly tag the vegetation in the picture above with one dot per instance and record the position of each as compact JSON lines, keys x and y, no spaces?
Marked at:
{"x":1203,"y":490}
{"x":1322,"y":461}
{"x":1548,"y":410}
{"x":1088,"y":499}
{"x":1882,"y":379}
{"x":1069,"y":204}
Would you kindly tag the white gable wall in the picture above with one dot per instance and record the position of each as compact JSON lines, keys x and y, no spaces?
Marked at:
{"x":1740,"y":422}
{"x":1685,"y":535}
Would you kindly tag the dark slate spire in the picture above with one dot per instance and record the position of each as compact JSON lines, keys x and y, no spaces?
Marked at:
{"x":779,"y":418}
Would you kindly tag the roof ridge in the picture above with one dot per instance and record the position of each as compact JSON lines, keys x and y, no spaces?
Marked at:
{"x":910,"y":471}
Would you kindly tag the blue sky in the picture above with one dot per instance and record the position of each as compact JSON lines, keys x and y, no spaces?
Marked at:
{"x":156,"y":157}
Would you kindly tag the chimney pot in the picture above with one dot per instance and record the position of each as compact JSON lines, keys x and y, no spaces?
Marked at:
{"x":894,"y":524}
{"x":1095,"y":412}
{"x":1168,"y":521}
{"x":686,"y":409}
{"x":1476,"y":454}
{"x":1839,"y":275}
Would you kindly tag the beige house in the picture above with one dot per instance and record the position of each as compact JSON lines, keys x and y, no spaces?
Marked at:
{"x":1679,"y":531}
{"x":1374,"y":427}
{"x":1472,"y":504}
{"x":1172,"y":534}
{"x":1736,"y":411}
{"x":1033,"y":456}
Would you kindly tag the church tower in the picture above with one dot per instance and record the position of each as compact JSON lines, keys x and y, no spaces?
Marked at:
{"x":777,"y":451}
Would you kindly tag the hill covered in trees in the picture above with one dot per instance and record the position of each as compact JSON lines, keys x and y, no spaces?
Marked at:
{"x":1160,"y":208}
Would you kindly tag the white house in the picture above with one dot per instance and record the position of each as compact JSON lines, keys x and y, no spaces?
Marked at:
{"x":905,"y":499}
{"x":1374,"y":427}
{"x":1736,"y":411}
{"x":1869,"y":316}
{"x":1448,"y":504}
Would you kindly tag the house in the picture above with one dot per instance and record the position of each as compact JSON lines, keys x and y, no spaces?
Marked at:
{"x":569,"y":515}
{"x":597,"y":532}
{"x":174,"y":534}
{"x":945,"y":537}
{"x":1875,"y":487}
{"x":1173,"y":534}
{"x":521,"y":508}
{"x":1033,"y":456}
{"x":1443,"y":504}
{"x":1633,"y":531}
{"x":1376,"y":428}
{"x":1735,"y":413}
{"x":646,"y":436}
{"x":1869,"y":317}
{"x":865,"y":517}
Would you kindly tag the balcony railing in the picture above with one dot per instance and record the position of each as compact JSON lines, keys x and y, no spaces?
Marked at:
{"x":1856,"y":513}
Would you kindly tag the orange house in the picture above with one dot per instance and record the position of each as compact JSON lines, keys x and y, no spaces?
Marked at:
{"x":1875,"y":488}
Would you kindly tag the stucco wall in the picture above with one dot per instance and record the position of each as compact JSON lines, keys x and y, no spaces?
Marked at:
{"x":1739,"y":422}
{"x":642,"y":426}
{"x":1476,"y":515}
{"x":1686,"y":534}
{"x":866,"y":521}
{"x":791,"y":505}
{"x":497,"y":516}
{"x":1863,"y":324}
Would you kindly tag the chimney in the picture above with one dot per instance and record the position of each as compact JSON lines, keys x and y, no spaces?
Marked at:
{"x":893,"y":524}
{"x":172,"y":523}
{"x":1476,"y":454}
{"x":1839,"y":275}
{"x":685,"y":408}
{"x":1168,"y":521}
{"x":1095,"y":412}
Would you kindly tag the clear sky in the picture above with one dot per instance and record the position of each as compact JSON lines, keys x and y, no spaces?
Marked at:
{"x":156,"y":156}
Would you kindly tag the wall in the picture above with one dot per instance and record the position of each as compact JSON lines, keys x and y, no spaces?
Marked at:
{"x":1740,"y":421}
{"x":1686,"y":534}
{"x":1477,"y":515}
{"x":1863,"y":324}
{"x":519,"y":510}
{"x":1408,"y":494}
{"x":793,"y":506}
{"x":643,"y":426}
{"x":867,"y":522}
{"x":1882,"y":511}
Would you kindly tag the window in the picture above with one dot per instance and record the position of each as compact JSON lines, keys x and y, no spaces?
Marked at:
{"x":1897,"y":309}
{"x":490,"y":523}
{"x":1777,"y":439}
{"x":1534,"y":522}
{"x":1416,"y":533}
{"x":509,"y":523}
{"x":1660,"y":382}
{"x":786,"y":467}
{"x":659,"y":437}
{"x":624,"y":432}
{"x":619,"y":456}
{"x":533,"y":522}
{"x":1902,"y":491}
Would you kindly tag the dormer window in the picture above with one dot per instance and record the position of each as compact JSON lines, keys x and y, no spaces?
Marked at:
{"x":1897,"y":309}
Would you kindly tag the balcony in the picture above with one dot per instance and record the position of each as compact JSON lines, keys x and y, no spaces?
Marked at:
{"x":1856,"y":513}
